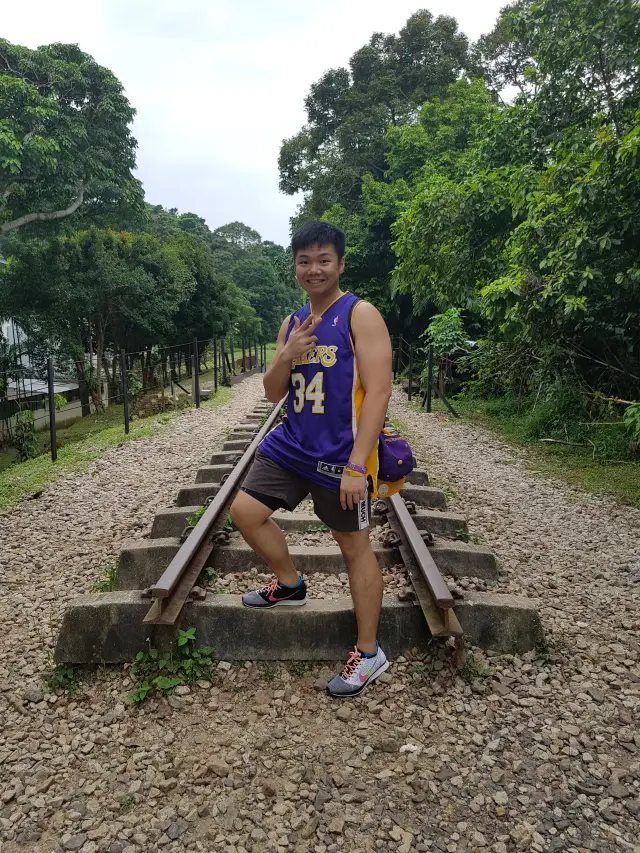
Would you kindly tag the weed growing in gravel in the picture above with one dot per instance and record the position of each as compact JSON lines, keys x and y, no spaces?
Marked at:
{"x":474,"y":669}
{"x":400,"y":425}
{"x":207,"y":575}
{"x":64,"y":677}
{"x":465,"y":536}
{"x":127,"y":803}
{"x":316,"y":528}
{"x":302,"y":667}
{"x":195,"y":517}
{"x":108,"y":575}
{"x":161,"y":672}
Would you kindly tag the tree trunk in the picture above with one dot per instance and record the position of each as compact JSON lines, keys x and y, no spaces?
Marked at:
{"x":441,"y":370}
{"x":112,"y":381}
{"x":84,"y":388}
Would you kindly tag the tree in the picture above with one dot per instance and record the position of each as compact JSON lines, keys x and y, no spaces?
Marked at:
{"x":97,"y":289}
{"x":64,"y":136}
{"x":269,"y":297}
{"x":533,"y":229}
{"x":239,"y":235}
{"x":349,"y":110}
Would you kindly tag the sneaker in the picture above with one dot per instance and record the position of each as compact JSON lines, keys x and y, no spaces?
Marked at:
{"x":357,"y":674}
{"x":274,"y":594}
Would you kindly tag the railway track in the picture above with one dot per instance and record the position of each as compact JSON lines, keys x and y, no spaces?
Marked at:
{"x":161,"y":582}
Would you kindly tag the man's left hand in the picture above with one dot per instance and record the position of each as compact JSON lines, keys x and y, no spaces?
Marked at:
{"x":352,"y":491}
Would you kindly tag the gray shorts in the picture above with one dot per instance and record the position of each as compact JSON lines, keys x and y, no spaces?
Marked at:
{"x":278,"y":488}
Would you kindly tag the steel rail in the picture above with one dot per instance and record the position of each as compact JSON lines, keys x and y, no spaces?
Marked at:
{"x":171,"y":591}
{"x":434,"y":596}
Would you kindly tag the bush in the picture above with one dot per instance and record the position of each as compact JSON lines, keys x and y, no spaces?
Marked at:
{"x":25,"y":436}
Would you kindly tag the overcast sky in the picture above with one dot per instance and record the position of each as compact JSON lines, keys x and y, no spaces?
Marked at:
{"x":218,"y":84}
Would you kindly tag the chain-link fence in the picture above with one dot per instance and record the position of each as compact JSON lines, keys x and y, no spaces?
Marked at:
{"x":40,"y":403}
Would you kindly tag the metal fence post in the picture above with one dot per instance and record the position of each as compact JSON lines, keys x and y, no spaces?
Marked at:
{"x":224,"y":366}
{"x":123,"y":374}
{"x":244,"y":363}
{"x":410,"y":371}
{"x":429,"y":378}
{"x":215,"y":365}
{"x":196,"y":373}
{"x":52,"y":411}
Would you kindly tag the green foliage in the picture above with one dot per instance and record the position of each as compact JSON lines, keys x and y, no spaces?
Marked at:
{"x":599,"y":457}
{"x":195,"y":517}
{"x":59,"y":401}
{"x":446,"y":334}
{"x":208,"y":573}
{"x":107,"y":580}
{"x":135,"y":385}
{"x":127,"y":803}
{"x":64,"y":677}
{"x":24,"y":435}
{"x":64,"y":136}
{"x":161,"y":672}
{"x":316,"y":528}
{"x":631,"y":420}
{"x":474,"y":669}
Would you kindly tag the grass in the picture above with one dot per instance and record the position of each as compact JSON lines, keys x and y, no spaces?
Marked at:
{"x":71,"y":433}
{"x":605,"y":467}
{"x":84,"y":442}
{"x":107,"y":578}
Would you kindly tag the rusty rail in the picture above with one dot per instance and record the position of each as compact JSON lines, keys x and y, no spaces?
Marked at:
{"x":434,"y":597}
{"x":174,"y":586}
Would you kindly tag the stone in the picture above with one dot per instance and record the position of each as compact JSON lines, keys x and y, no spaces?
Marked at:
{"x":336,"y":826}
{"x":596,"y":694}
{"x":310,"y":827}
{"x":388,"y":744}
{"x":269,"y":787}
{"x":219,"y":767}
{"x":75,"y":842}
{"x":33,"y":694}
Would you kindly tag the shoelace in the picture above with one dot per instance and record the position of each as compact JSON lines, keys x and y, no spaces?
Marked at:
{"x":350,"y":667}
{"x":271,"y":587}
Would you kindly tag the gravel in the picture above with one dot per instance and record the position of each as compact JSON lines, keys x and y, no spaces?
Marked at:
{"x":319,"y":585}
{"x":537,"y":753}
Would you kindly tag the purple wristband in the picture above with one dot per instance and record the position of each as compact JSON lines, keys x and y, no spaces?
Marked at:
{"x":357,"y":468}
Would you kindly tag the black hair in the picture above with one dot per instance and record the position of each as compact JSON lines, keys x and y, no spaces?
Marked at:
{"x":313,"y":233}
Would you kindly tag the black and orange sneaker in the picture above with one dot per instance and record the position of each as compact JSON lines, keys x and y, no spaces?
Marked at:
{"x":275,"y":594}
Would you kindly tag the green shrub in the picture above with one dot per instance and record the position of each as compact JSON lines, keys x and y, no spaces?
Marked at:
{"x":24,"y":436}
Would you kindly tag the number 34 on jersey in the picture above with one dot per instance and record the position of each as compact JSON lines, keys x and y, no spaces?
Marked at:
{"x":311,"y":391}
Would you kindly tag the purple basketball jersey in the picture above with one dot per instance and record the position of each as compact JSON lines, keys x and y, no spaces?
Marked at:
{"x":325,"y":394}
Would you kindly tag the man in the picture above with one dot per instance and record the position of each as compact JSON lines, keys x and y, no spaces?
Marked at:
{"x":333,"y":359}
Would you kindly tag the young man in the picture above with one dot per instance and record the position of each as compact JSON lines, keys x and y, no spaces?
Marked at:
{"x":333,"y":359}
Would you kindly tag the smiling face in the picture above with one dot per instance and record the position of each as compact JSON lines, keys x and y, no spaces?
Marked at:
{"x":318,"y":270}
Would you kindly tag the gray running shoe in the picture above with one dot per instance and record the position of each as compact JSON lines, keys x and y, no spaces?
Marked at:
{"x":275,"y":594}
{"x":357,"y":674}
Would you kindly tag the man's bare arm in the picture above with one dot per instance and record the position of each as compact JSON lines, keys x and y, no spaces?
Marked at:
{"x":373,"y":352}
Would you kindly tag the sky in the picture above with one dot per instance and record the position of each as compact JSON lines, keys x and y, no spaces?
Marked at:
{"x":219,"y":84}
